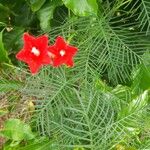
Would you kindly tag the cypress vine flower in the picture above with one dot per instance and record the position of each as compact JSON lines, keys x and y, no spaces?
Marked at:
{"x":34,"y":52}
{"x":62,"y":53}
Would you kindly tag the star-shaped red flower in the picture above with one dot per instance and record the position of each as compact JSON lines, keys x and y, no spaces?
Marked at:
{"x":34,"y":52}
{"x":62,"y":53}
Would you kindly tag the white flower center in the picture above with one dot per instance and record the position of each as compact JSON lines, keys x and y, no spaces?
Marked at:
{"x":62,"y":52}
{"x":35,"y":51}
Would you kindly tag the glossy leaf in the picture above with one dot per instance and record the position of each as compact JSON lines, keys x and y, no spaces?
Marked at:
{"x":135,"y":105}
{"x":141,"y":75}
{"x":82,"y":7}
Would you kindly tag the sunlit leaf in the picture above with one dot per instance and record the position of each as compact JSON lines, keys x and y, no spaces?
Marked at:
{"x":16,"y":130}
{"x":82,"y":7}
{"x":36,"y":4}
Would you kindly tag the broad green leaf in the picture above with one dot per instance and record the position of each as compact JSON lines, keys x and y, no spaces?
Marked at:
{"x":13,"y":39}
{"x":5,"y":12}
{"x":123,"y":92}
{"x":16,"y":130}
{"x":3,"y":52}
{"x":142,"y":79}
{"x":45,"y":14}
{"x":4,"y":8}
{"x":24,"y":16}
{"x":136,"y":105}
{"x":36,"y":4}
{"x":82,"y":7}
{"x":141,"y":75}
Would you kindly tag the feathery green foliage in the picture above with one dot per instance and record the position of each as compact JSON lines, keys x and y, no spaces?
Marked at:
{"x":102,"y":103}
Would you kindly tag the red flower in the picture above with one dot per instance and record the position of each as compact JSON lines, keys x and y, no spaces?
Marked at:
{"x":62,"y":53}
{"x":34,"y":52}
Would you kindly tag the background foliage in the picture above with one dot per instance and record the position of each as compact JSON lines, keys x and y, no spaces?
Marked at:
{"x":100,"y":104}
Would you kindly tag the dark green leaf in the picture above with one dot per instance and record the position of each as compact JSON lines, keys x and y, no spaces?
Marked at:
{"x":45,"y":14}
{"x":23,"y":14}
{"x":5,"y":12}
{"x":3,"y":52}
{"x":13,"y":39}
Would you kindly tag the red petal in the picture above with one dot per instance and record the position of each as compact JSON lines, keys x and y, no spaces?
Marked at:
{"x":71,"y":50}
{"x":22,"y":56}
{"x":28,"y":41}
{"x":60,"y":43}
{"x":53,"y":50}
{"x":47,"y":60}
{"x":34,"y":67}
{"x":57,"y":62}
{"x":26,"y":55}
{"x":70,"y":63}
{"x":42,"y":38}
{"x":28,"y":37}
{"x":42,"y":42}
